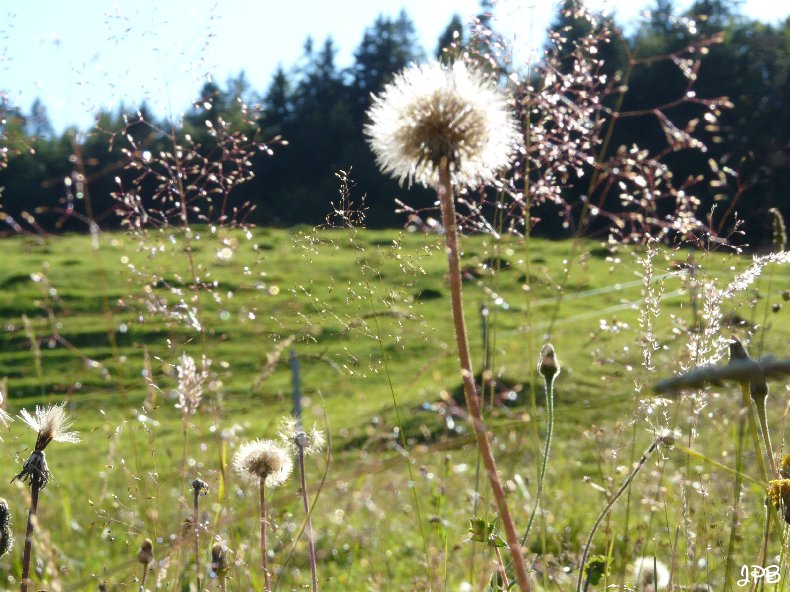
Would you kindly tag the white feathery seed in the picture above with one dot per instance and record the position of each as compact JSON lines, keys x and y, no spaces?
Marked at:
{"x":650,"y":572}
{"x":50,"y":423}
{"x":432,"y":112}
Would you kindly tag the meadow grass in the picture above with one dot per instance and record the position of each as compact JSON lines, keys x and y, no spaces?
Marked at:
{"x":363,"y":311}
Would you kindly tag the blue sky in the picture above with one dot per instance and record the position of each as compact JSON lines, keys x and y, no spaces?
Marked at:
{"x":81,"y":56}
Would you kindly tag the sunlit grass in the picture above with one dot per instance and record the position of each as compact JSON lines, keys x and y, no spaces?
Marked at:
{"x":122,"y":483}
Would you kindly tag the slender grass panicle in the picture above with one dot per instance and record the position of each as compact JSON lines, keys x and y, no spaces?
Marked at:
{"x":432,"y":114}
{"x":190,"y":384}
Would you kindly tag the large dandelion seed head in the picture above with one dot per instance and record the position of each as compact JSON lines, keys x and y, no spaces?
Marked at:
{"x":263,"y":460}
{"x":50,"y":423}
{"x":430,"y":113}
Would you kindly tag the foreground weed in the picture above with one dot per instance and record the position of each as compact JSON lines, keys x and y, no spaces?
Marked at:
{"x":304,"y":444}
{"x":267,"y":464}
{"x":445,"y":128}
{"x":50,"y":423}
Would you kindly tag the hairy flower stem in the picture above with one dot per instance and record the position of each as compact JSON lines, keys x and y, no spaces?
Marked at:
{"x":264,"y":558}
{"x":34,"y":489}
{"x":306,"y":503}
{"x":145,"y":577}
{"x":549,"y":432}
{"x":586,"y":553}
{"x":444,"y":189}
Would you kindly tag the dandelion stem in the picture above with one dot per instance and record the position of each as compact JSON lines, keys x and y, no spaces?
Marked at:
{"x":264,"y":558}
{"x":34,"y":489}
{"x":306,"y":503}
{"x":586,"y":553}
{"x":196,"y":527}
{"x":445,"y":192}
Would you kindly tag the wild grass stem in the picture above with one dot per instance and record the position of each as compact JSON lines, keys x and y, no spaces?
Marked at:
{"x":199,"y":487}
{"x":300,"y":441}
{"x":264,"y":550}
{"x":662,"y":438}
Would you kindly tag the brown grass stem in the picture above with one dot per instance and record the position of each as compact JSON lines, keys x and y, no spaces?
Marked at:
{"x":196,"y":530}
{"x":264,"y":558}
{"x":306,"y":504}
{"x":444,"y":189}
{"x":31,"y":516}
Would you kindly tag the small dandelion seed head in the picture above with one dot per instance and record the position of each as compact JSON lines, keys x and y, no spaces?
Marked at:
{"x":430,"y":114}
{"x":291,"y":433}
{"x":649,"y":572}
{"x":200,"y":487}
{"x":667,"y":437}
{"x":146,"y":553}
{"x":263,"y":460}
{"x":50,"y":423}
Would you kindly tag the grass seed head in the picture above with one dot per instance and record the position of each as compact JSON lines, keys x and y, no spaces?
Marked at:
{"x":263,"y":460}
{"x":431,"y":114}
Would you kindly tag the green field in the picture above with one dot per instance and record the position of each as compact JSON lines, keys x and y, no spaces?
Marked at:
{"x":367,"y":312}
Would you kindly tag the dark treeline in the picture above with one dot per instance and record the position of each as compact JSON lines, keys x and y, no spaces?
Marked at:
{"x":320,"y":110}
